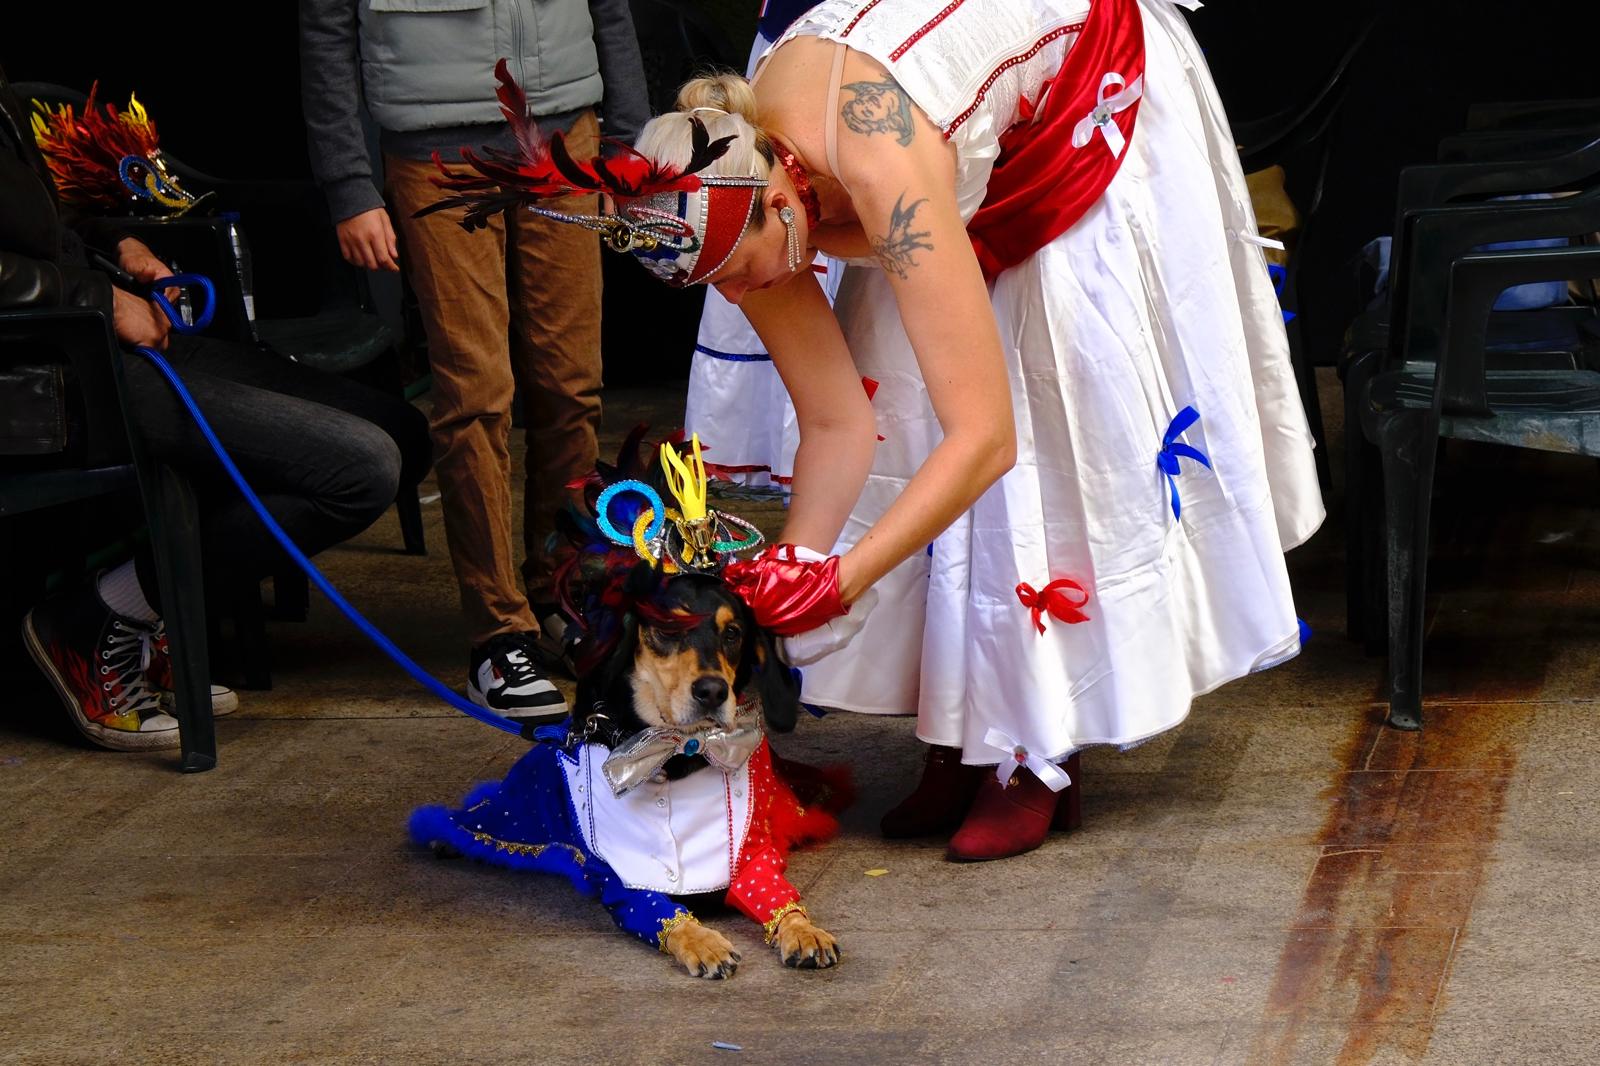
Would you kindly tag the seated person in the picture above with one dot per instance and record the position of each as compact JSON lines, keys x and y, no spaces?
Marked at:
{"x":326,"y":455}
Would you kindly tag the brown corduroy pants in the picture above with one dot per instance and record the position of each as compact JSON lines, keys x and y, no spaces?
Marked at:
{"x":517,"y":304}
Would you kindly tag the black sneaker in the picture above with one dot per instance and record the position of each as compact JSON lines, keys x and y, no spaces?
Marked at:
{"x":503,"y":677}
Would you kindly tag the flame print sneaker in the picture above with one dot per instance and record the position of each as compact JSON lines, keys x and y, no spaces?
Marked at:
{"x":94,"y":658}
{"x":158,"y":668}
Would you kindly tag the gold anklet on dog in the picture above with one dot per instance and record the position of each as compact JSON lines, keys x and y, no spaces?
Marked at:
{"x":771,"y":926}
{"x":668,"y":925}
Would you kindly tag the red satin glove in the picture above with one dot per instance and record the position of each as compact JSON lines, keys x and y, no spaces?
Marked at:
{"x":788,"y":595}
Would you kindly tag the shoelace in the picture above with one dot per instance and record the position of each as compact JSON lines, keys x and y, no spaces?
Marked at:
{"x":151,"y":645}
{"x":511,"y":659}
{"x":124,"y":657}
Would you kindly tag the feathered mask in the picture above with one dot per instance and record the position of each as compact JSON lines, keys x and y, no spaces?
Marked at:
{"x":682,"y":226}
{"x":108,"y":160}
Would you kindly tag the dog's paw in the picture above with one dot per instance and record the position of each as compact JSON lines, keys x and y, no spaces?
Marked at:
{"x":803,"y":945}
{"x":703,"y":952}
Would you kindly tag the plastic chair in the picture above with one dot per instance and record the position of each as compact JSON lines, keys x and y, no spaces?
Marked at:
{"x":1442,"y":379}
{"x":115,"y":461}
{"x":1554,"y":338}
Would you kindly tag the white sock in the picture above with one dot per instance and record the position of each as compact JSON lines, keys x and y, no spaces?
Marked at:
{"x":119,"y":590}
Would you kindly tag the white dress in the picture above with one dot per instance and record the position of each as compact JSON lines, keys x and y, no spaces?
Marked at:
{"x":1155,"y":300}
{"x":737,"y":403}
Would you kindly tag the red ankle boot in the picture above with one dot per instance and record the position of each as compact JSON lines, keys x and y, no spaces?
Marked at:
{"x":1010,"y":819}
{"x":940,"y":799}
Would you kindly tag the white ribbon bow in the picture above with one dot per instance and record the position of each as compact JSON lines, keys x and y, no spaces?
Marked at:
{"x":1105,"y":107}
{"x":1048,"y":772}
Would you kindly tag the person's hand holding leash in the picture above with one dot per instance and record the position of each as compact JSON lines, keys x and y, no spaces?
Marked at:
{"x":138,"y":322}
{"x":135,"y":257}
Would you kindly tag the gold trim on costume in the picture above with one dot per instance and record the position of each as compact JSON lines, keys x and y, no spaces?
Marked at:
{"x":668,"y":925}
{"x":530,"y":850}
{"x":770,"y":928}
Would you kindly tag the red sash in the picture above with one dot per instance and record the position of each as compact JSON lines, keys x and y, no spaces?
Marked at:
{"x":1041,"y":183}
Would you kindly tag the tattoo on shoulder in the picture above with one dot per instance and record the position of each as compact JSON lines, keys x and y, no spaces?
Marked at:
{"x":894,"y":250}
{"x":878,"y":107}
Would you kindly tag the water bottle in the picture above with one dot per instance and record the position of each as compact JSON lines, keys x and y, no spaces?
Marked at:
{"x":185,"y":305}
{"x":241,"y":264}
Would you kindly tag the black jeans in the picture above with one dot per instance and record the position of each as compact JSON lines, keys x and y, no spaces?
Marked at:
{"x":326,"y":455}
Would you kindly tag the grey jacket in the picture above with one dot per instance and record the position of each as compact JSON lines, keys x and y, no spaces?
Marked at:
{"x":425,"y":70}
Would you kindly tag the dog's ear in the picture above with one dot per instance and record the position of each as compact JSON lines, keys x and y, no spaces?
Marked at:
{"x":608,"y":682}
{"x":775,"y":683}
{"x":778,"y":687}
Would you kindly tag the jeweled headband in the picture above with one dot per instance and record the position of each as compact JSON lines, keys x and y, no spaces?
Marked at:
{"x":682,"y":226}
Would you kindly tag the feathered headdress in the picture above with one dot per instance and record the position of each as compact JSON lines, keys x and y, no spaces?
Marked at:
{"x":625,"y":520}
{"x":681,"y":224}
{"x":108,"y":160}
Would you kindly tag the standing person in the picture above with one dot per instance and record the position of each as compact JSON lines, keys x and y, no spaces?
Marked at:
{"x":1092,"y":455}
{"x":737,"y":403}
{"x":520,"y":309}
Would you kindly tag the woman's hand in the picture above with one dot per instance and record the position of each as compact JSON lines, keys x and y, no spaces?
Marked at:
{"x":787,"y":592}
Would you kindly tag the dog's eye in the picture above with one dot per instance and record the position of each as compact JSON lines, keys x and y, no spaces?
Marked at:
{"x":732,"y":635}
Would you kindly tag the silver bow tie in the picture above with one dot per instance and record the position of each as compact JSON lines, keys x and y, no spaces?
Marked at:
{"x":636,"y":759}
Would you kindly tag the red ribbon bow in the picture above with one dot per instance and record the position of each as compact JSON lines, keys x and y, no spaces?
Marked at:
{"x":1056,"y":599}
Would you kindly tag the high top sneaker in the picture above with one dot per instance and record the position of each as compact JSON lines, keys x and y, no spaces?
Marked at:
{"x":503,"y":677}
{"x":94,"y":659}
{"x":158,"y":668}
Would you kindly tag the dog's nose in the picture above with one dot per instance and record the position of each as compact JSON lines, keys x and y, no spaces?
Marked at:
{"x":709,"y":692}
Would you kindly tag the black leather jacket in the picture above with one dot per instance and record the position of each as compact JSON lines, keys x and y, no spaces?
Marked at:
{"x":43,"y":261}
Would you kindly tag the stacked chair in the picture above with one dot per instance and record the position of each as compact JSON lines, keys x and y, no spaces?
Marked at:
{"x":1435,"y":360}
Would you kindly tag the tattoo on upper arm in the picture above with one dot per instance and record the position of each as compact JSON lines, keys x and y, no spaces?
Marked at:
{"x":878,"y":107}
{"x":894,"y":250}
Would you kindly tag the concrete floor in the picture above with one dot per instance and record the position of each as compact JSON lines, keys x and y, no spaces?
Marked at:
{"x":1281,"y":880}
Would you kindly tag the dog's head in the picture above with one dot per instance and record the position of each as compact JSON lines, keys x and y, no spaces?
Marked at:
{"x":689,"y":650}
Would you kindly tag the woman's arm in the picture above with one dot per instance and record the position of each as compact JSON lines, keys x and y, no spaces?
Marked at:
{"x":901,"y":176}
{"x":837,"y":430}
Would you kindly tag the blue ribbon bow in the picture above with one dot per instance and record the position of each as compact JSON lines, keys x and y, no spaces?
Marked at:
{"x":1172,"y":448}
{"x":1280,"y":278}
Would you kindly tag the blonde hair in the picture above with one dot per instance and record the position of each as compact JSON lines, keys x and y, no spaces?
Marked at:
{"x":726,"y":105}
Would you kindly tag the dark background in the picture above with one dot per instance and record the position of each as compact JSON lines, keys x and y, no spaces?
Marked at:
{"x":233,"y":108}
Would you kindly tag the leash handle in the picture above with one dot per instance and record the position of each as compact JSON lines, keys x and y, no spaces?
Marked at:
{"x":186,"y":282}
{"x":153,"y":292}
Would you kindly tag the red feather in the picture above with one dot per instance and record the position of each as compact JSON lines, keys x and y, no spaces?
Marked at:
{"x":544,"y":169}
{"x":808,"y":802}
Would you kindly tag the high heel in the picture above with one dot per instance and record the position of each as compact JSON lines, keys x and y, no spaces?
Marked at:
{"x":1016,"y":817}
{"x":1069,"y":801}
{"x":939,"y":801}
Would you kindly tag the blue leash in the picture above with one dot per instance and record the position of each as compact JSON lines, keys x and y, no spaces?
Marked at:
{"x":155,"y":292}
{"x":389,"y":648}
